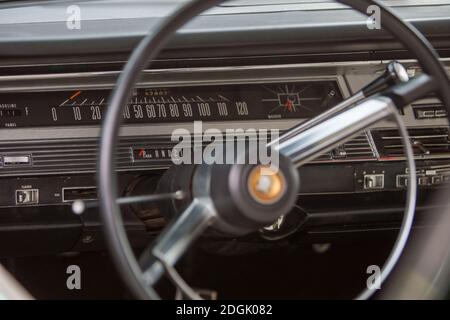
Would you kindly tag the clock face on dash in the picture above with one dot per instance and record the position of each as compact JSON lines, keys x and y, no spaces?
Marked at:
{"x":299,"y":100}
{"x":258,"y":101}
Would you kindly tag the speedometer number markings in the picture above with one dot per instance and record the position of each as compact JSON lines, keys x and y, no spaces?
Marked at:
{"x":172,"y":104}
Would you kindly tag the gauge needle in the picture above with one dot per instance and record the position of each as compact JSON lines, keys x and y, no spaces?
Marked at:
{"x":289,"y":105}
{"x":76,"y":94}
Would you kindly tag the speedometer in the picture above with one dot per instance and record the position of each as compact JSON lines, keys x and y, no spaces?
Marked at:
{"x":171,"y":104}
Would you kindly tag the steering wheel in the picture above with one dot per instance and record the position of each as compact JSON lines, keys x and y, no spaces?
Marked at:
{"x":225,"y":198}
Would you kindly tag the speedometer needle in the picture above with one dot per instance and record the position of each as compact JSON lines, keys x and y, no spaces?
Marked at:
{"x":76,"y":94}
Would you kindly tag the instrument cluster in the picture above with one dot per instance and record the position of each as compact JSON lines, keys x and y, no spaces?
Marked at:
{"x":257,"y":101}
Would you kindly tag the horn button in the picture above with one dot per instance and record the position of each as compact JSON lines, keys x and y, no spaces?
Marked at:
{"x":249,"y":197}
{"x":245,"y":197}
{"x":266,"y":185}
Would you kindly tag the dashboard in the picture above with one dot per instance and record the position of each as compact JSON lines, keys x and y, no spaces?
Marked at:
{"x":54,"y":131}
{"x":52,"y":107}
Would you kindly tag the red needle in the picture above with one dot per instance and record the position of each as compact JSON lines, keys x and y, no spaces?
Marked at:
{"x":75,"y":95}
{"x":289,"y":105}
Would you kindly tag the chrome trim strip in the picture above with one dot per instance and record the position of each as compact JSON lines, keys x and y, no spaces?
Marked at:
{"x":165,"y":78}
{"x":198,"y":69}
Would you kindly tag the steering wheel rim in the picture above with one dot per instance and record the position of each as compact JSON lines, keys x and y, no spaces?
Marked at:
{"x":145,"y":52}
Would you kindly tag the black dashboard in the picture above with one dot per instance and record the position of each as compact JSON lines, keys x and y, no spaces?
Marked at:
{"x":52,"y":105}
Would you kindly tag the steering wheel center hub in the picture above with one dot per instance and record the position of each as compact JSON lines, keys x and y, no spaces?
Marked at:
{"x":266,"y":185}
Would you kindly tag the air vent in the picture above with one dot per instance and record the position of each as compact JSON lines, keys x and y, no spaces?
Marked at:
{"x":427,"y":142}
{"x":359,"y":148}
{"x":134,"y":153}
{"x":55,"y":157}
{"x":356,"y":149}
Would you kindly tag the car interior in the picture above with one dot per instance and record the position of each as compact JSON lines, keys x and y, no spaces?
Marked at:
{"x":217,"y":150}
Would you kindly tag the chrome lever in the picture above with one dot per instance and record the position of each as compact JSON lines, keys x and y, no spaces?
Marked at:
{"x":323,"y":136}
{"x":419,"y":144}
{"x":80,"y":206}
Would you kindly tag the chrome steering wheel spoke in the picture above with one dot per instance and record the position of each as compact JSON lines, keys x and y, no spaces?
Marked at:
{"x":172,"y":243}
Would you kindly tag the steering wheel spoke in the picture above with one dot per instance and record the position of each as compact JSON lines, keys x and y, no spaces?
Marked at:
{"x":177,"y":237}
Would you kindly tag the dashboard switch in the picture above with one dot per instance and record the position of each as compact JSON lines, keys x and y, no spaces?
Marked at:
{"x":373,"y":181}
{"x":436,"y":180}
{"x":424,"y":114}
{"x":27,"y":196}
{"x":402,"y":180}
{"x":423,"y":181}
